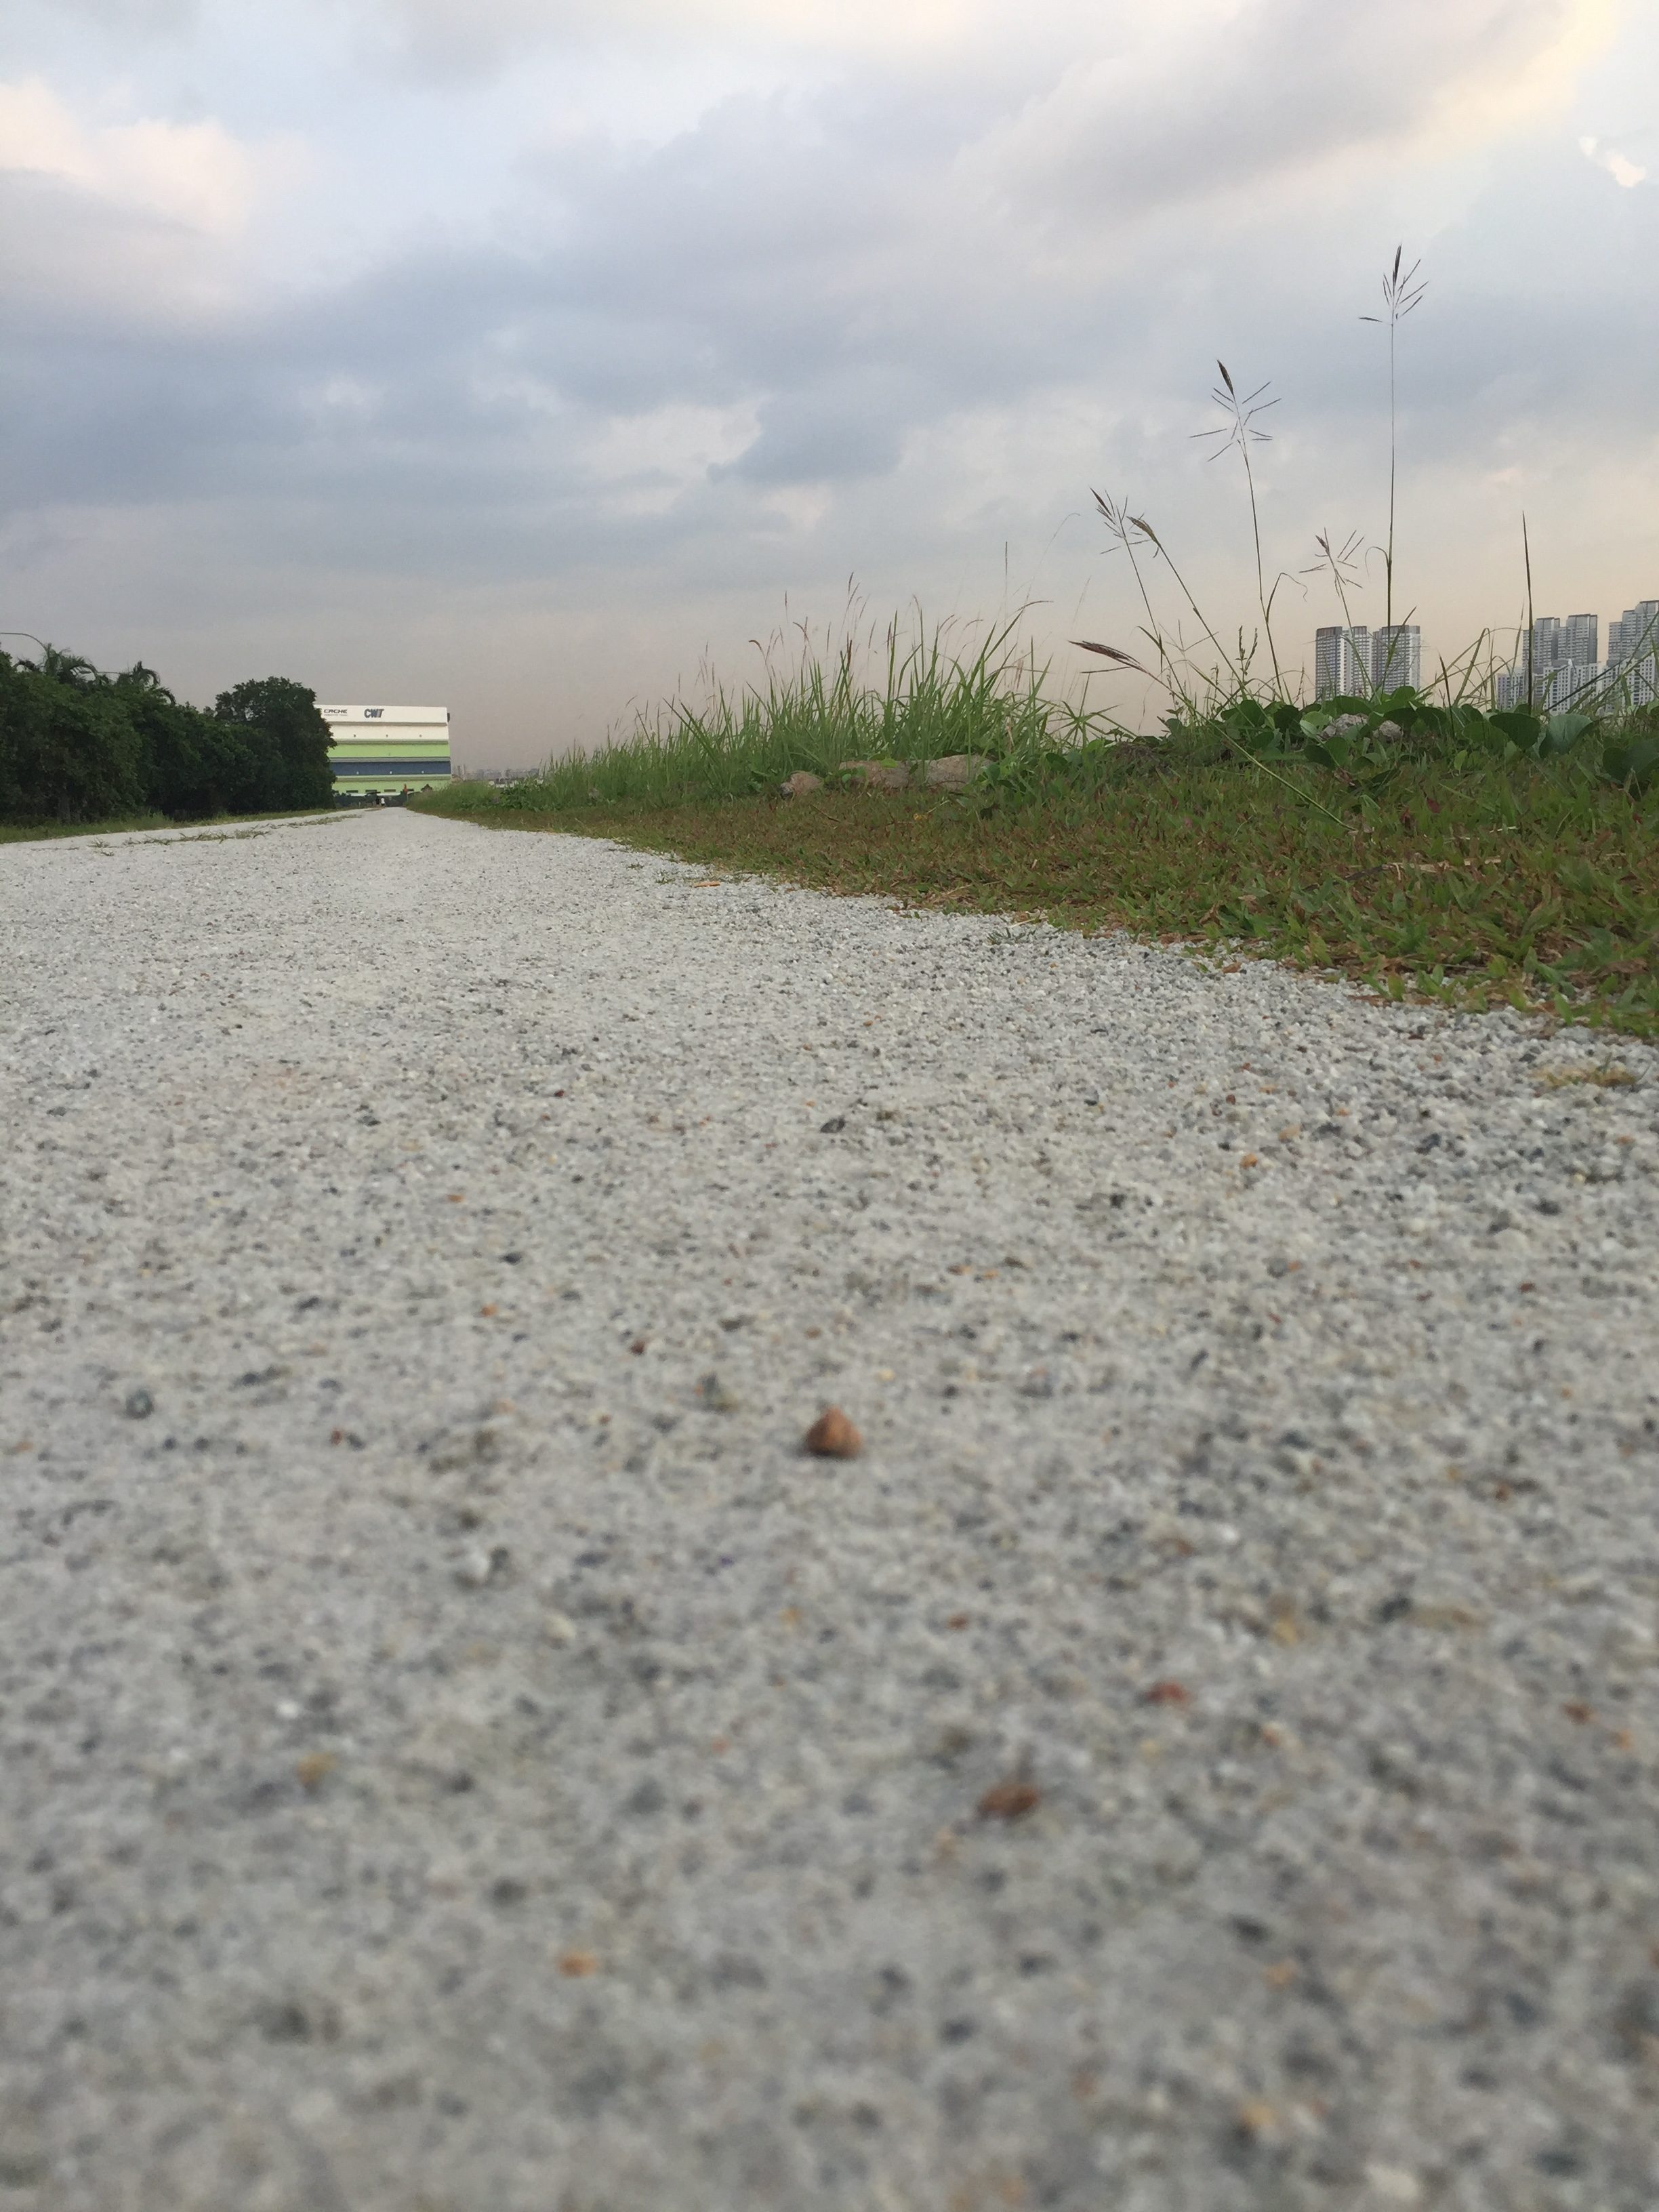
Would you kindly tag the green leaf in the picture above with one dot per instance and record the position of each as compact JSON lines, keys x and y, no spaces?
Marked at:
{"x":1561,"y":732}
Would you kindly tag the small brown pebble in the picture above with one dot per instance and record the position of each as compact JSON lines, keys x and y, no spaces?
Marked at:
{"x":578,"y":1965}
{"x":1168,"y":1693}
{"x":1010,"y":1801}
{"x":957,"y":1620}
{"x":832,"y":1436}
{"x":313,"y":1770}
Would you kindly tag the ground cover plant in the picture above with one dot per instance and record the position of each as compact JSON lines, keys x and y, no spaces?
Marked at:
{"x":1518,"y":881}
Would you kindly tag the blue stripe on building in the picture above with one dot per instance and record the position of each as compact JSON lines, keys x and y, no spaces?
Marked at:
{"x":430,"y":766}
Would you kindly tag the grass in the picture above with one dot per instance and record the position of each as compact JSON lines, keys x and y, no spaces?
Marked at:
{"x":28,"y":833}
{"x":946,"y":690}
{"x":1526,"y":883}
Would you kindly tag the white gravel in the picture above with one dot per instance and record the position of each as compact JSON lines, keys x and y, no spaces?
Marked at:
{"x":455,"y":1756}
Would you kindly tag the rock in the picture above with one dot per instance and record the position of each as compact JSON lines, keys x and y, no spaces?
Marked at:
{"x":832,"y":1436}
{"x":140,"y":1405}
{"x":480,"y":1566}
{"x":1345,"y":726}
{"x":713,"y":1394}
{"x":877,"y":775}
{"x":951,"y":771}
{"x":559,"y":1628}
{"x":801,"y":785}
{"x":1010,"y":1801}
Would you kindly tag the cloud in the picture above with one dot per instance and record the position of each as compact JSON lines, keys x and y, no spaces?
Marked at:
{"x":1621,"y":170}
{"x":486,"y":34}
{"x":191,"y":173}
{"x":1203,"y":99}
{"x":885,"y":303}
{"x":143,"y":17}
{"x":134,"y":220}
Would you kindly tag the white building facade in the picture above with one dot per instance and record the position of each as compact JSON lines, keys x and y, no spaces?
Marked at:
{"x":1396,"y":657}
{"x":1342,"y":662}
{"x":380,"y":752}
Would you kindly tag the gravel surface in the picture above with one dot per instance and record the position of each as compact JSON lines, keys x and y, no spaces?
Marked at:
{"x":458,"y":1754}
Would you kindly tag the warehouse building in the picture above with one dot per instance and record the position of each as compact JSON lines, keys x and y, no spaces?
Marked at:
{"x":382,"y":752}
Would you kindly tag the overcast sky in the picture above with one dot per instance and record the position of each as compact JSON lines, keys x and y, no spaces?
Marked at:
{"x":519,"y":353}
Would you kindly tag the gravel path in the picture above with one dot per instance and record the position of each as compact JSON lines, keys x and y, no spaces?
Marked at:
{"x":458,"y":1754}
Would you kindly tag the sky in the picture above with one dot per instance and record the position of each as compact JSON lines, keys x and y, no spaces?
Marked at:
{"x":537,"y":357}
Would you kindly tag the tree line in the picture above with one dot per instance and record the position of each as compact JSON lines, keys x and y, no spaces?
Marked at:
{"x":77,"y":744}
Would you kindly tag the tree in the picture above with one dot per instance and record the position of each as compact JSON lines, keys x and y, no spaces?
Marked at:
{"x":68,"y":751}
{"x":77,"y":746}
{"x":194,"y":764}
{"x":287,"y":742}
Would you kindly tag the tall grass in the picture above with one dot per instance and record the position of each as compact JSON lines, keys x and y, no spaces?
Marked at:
{"x":1403,"y":294}
{"x":862,"y":693}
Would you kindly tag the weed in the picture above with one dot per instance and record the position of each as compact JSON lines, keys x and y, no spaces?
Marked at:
{"x":1609,"y":1076}
{"x":31,"y":833}
{"x":859,"y":693}
{"x":1401,"y":293}
{"x":1519,"y":881}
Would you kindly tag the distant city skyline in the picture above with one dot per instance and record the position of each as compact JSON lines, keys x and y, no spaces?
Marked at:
{"x":1351,"y":661}
{"x":1566,"y":662}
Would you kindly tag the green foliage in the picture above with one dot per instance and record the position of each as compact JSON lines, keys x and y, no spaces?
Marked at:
{"x":68,"y":751}
{"x":77,"y":746}
{"x":909,"y":699}
{"x":1475,"y":861}
{"x":1369,"y":742}
{"x":286,"y":742}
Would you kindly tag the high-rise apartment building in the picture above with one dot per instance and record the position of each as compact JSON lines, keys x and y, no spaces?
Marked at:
{"x":1545,"y":643}
{"x":1574,"y":643}
{"x":1565,"y":668}
{"x":1636,"y":633}
{"x":1397,"y":656}
{"x":1342,"y":661}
